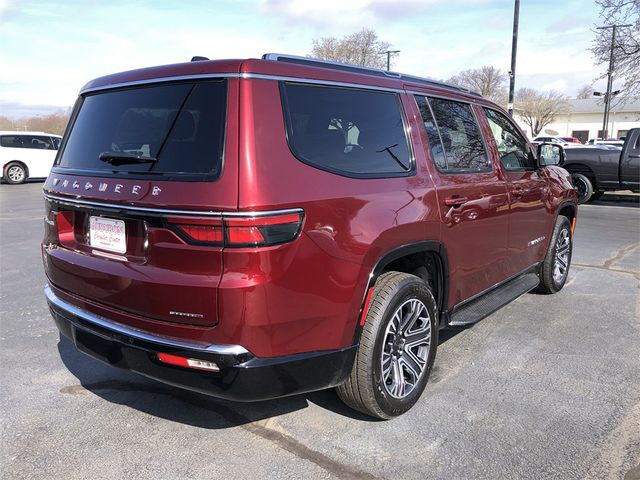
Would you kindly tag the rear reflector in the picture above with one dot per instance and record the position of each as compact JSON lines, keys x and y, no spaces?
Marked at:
{"x":188,"y":362}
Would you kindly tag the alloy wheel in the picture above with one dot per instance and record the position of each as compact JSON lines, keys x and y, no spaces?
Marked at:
{"x":407,"y":341}
{"x":16,"y":173}
{"x":561,"y":260}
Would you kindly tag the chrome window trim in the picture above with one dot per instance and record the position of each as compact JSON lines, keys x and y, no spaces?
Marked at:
{"x":260,"y":76}
{"x":158,"y":80}
{"x":115,"y":327}
{"x":162,"y":211}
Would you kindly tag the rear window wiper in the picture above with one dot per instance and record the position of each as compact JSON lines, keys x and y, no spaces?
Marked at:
{"x":123,"y":158}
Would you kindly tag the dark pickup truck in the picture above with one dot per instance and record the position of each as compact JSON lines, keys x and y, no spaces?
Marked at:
{"x":595,"y":170}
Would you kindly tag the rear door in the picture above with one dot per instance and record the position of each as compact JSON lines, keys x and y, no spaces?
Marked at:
{"x":135,"y":196}
{"x":529,"y":210}
{"x":40,"y":152}
{"x":472,"y":197}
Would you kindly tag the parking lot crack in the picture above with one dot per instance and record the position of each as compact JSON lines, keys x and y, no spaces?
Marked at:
{"x":620,"y":254}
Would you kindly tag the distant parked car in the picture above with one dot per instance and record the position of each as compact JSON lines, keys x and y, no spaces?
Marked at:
{"x":557,"y":140}
{"x":609,"y":141}
{"x":27,"y":155}
{"x":571,"y":140}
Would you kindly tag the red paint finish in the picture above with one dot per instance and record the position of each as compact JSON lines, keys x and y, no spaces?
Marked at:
{"x":306,"y":294}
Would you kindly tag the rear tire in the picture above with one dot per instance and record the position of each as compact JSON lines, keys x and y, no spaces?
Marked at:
{"x":397,"y":348}
{"x":15,"y":173}
{"x":555,"y":267}
{"x":583,"y":187}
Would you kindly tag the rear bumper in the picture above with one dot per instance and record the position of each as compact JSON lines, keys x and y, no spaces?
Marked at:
{"x":242,"y":376}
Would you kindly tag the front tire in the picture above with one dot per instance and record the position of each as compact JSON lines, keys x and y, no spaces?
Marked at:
{"x":15,"y":173}
{"x":555,"y":267}
{"x":397,"y":348}
{"x":583,"y":187}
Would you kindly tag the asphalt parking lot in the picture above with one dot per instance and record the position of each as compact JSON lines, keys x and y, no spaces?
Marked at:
{"x":548,"y":387}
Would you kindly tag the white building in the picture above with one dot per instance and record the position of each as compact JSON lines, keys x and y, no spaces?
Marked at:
{"x":584,"y":117}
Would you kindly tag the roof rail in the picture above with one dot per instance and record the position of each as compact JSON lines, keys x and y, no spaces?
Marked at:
{"x":310,"y":61}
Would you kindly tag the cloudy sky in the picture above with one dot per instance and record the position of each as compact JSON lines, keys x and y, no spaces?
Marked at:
{"x":50,"y":48}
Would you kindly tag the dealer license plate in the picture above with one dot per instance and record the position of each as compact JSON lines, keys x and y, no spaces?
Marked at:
{"x":107,"y":234}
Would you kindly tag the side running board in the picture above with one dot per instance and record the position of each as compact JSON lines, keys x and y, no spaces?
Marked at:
{"x":484,"y":305}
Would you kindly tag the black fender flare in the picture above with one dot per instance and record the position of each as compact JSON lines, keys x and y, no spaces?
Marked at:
{"x":431,"y":246}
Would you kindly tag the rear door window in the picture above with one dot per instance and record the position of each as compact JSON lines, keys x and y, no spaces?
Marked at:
{"x":348,"y":131}
{"x":37,"y":141}
{"x":174,"y":130}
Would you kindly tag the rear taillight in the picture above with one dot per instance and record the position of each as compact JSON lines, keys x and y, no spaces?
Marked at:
{"x":200,"y":231}
{"x":241,"y":230}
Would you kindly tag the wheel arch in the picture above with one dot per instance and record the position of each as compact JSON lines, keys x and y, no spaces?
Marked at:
{"x":20,"y":162}
{"x":406,"y":258}
{"x":585,"y":170}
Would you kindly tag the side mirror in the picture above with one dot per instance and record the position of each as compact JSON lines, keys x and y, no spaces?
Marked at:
{"x":550,"y":154}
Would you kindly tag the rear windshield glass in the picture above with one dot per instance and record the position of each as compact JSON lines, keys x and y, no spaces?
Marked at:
{"x":175,"y":130}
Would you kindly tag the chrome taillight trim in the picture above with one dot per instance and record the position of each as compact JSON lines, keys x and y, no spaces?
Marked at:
{"x":76,"y":202}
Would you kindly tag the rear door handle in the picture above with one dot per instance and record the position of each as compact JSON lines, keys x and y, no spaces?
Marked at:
{"x":455,"y":201}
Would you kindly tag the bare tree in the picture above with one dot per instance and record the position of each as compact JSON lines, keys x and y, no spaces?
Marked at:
{"x":586,"y":91}
{"x":627,"y":46}
{"x":488,"y":80}
{"x":362,"y":48}
{"x":52,"y":123}
{"x":538,"y":109}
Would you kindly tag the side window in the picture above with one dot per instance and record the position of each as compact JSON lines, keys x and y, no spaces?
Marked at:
{"x":346,"y":130}
{"x":37,"y":142}
{"x":513,"y":148}
{"x":11,"y":141}
{"x":461,"y":138}
{"x":56,"y":143}
{"x":43,"y":142}
{"x":437,"y":151}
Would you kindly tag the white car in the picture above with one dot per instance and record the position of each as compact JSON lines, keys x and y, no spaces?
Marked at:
{"x":27,"y":155}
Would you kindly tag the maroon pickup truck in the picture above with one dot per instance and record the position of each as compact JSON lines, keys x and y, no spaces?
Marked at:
{"x":257,"y":228}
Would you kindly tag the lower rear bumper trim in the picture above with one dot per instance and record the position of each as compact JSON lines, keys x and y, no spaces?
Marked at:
{"x":242,"y":376}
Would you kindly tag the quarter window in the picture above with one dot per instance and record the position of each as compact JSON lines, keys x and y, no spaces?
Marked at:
{"x":513,"y":148}
{"x":346,"y":131}
{"x":11,"y":141}
{"x":459,"y":135}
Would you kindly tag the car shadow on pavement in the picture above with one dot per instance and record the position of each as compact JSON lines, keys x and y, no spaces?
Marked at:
{"x":164,"y":401}
{"x":613,"y":200}
{"x":175,"y":404}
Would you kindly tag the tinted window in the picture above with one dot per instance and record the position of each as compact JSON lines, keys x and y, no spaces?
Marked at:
{"x":513,"y":148}
{"x":37,"y":141}
{"x":344,"y":130}
{"x":11,"y":141}
{"x":180,"y":125}
{"x":461,"y":138}
{"x":56,"y":142}
{"x":437,"y":151}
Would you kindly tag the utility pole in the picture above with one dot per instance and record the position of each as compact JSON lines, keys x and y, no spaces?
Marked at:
{"x":388,"y":53}
{"x":608,"y":95}
{"x":514,"y":49}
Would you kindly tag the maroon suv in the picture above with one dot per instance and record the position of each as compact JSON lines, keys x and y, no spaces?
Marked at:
{"x":257,"y":228}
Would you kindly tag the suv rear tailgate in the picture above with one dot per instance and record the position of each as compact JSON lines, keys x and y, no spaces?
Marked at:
{"x":121,"y":232}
